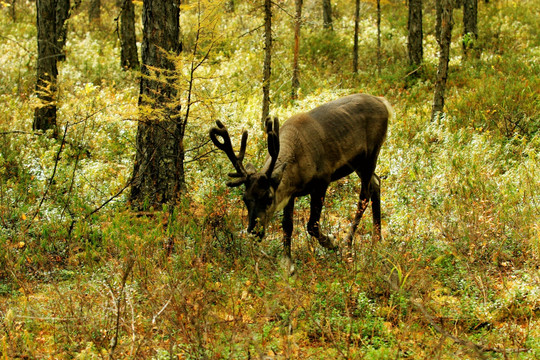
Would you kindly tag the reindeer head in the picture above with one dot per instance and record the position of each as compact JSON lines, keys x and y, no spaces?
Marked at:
{"x":260,"y":186}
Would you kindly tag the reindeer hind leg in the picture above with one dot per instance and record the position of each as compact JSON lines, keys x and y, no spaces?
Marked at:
{"x":366,"y":178}
{"x":375,"y":187}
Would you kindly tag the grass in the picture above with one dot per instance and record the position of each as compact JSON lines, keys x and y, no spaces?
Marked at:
{"x":455,"y":276}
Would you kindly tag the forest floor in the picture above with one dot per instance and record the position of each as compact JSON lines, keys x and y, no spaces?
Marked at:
{"x":456,"y":275}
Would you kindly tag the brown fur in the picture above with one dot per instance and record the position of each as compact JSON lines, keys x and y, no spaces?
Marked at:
{"x":315,"y":148}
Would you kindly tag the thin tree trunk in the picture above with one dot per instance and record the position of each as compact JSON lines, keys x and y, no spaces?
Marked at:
{"x":470,"y":25}
{"x":47,"y":71}
{"x":438,"y":13}
{"x":356,"y":29}
{"x":229,"y":6}
{"x":12,"y":11}
{"x":444,"y":56}
{"x":94,"y":12}
{"x":414,"y":45}
{"x":295,"y":73}
{"x":267,"y":71}
{"x":128,"y":42}
{"x":158,"y":173}
{"x":327,"y":14}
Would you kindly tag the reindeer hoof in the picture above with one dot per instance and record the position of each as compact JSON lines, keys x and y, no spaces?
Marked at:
{"x":288,"y":266}
{"x":328,"y":242}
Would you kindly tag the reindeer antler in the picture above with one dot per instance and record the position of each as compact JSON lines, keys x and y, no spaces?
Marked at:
{"x":272,"y":130}
{"x":226,"y":146}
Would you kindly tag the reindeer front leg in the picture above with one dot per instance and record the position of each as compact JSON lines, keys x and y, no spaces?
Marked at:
{"x":317,"y":200}
{"x":287,"y":225}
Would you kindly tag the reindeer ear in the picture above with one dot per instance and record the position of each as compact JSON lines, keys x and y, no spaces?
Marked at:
{"x":250,"y":168}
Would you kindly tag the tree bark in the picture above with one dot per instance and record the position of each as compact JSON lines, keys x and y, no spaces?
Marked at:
{"x":356,"y":29}
{"x":414,"y":45}
{"x":438,"y":13}
{"x":158,"y":173}
{"x":47,"y":71}
{"x":12,"y":11}
{"x":267,"y":71}
{"x":296,"y":50}
{"x":94,"y":12}
{"x":229,"y":6}
{"x":327,"y":14}
{"x":470,"y":25}
{"x":62,"y":14}
{"x":128,"y":42}
{"x":445,"y":40}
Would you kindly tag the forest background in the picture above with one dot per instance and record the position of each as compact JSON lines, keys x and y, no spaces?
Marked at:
{"x":84,"y":275}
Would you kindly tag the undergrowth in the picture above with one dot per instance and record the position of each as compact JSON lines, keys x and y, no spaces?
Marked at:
{"x":455,"y":276}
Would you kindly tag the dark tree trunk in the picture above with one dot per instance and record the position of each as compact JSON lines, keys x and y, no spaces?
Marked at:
{"x":267,"y":71}
{"x":12,"y":11}
{"x":438,"y":14}
{"x":62,"y":14}
{"x":296,"y":50}
{"x":445,"y":40}
{"x":158,"y":173}
{"x":94,"y":12}
{"x":470,"y":24}
{"x":356,"y":29}
{"x":47,"y":71}
{"x":327,"y":14}
{"x":455,"y":4}
{"x":128,"y":42}
{"x":414,"y":45}
{"x":229,"y":6}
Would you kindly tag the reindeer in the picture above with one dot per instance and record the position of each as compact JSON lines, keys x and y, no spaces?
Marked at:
{"x":309,"y":152}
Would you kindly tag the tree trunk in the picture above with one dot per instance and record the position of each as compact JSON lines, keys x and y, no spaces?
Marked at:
{"x":327,"y":14}
{"x":47,"y":71}
{"x":414,"y":45}
{"x":438,"y":13}
{"x":128,"y":42}
{"x":295,"y":73}
{"x":470,"y":25}
{"x":229,"y":6}
{"x":62,"y":14}
{"x":158,"y":173}
{"x":12,"y":11}
{"x":355,"y":44}
{"x":267,"y":71}
{"x":447,"y":8}
{"x":94,"y":12}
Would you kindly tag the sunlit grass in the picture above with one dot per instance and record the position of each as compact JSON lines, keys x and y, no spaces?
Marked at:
{"x":460,"y":201}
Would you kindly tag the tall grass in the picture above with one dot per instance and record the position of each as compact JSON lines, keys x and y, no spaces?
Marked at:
{"x":457,"y":266}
